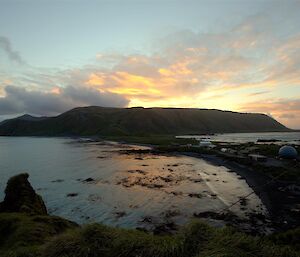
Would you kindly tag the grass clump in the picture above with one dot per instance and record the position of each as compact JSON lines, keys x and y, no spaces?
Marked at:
{"x":19,"y":231}
{"x":227,"y":242}
{"x":99,"y":240}
{"x":47,"y":236}
{"x":290,"y":237}
{"x":197,"y":239}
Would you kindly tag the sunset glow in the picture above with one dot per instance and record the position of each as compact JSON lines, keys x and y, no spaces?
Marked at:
{"x":249,"y":63}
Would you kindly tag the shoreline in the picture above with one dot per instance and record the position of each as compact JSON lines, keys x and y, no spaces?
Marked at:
{"x":254,"y":179}
{"x":263,"y":185}
{"x":273,"y":199}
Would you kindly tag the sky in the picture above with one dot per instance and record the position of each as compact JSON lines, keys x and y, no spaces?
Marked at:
{"x":236,"y":55}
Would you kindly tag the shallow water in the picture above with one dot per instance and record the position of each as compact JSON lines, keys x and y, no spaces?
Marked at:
{"x":285,"y":137}
{"x":128,"y":190}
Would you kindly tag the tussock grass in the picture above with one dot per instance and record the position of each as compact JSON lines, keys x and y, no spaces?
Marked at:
{"x":20,"y":231}
{"x":290,"y":237}
{"x":46,"y":236}
{"x":228,"y":242}
{"x":99,"y":240}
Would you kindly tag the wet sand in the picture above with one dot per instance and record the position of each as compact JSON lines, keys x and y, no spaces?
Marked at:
{"x":278,"y":202}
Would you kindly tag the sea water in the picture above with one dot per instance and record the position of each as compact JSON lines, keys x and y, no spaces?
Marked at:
{"x":127,"y":190}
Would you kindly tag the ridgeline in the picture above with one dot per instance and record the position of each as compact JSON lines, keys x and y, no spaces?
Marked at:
{"x":138,"y":121}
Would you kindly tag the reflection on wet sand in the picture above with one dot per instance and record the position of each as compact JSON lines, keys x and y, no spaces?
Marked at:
{"x":100,"y":182}
{"x":171,"y":189}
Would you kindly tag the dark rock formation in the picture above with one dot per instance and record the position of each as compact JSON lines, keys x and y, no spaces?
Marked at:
{"x":21,"y":197}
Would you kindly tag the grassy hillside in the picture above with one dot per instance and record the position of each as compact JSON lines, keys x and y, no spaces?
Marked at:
{"x":87,"y":121}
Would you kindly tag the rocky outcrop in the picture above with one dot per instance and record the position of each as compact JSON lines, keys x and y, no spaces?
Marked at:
{"x":21,"y":197}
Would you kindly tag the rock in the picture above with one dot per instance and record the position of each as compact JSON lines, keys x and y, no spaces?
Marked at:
{"x":57,"y":181}
{"x":147,"y":219}
{"x":214,"y":196}
{"x":196,"y":180}
{"x":137,"y":171}
{"x":243,"y":201}
{"x":21,"y":197}
{"x":195,"y":195}
{"x":228,"y":216}
{"x":254,"y":217}
{"x":120,"y":214}
{"x":89,"y":180}
{"x":72,"y":194}
{"x":166,"y":179}
{"x":267,"y":140}
{"x":176,"y":193}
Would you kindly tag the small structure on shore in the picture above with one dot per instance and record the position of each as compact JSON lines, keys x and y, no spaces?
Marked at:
{"x":224,"y":150}
{"x":206,"y":143}
{"x":288,"y":152}
{"x":257,"y":157}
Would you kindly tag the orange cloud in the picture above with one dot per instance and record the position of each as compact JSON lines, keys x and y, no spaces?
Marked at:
{"x":176,"y":69}
{"x":94,"y":80}
{"x":165,"y":81}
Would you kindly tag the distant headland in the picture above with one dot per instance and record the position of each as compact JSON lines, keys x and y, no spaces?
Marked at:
{"x":139,"y":121}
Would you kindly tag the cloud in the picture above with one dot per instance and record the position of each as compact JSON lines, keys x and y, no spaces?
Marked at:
{"x":254,"y":59}
{"x":287,"y":116}
{"x":19,"y":100}
{"x":184,"y":71}
{"x":269,"y":105}
{"x":187,"y":64}
{"x":259,"y":93}
{"x":286,"y":111}
{"x":6,"y":47}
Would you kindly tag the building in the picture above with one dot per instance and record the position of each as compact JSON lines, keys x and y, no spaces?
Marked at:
{"x":206,"y":143}
{"x":257,"y":157}
{"x":288,"y":152}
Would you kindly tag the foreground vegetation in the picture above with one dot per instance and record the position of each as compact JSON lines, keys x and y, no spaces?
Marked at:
{"x":24,"y":232}
{"x":48,"y":236}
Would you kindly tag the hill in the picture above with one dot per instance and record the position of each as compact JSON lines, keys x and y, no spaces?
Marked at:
{"x":24,"y":117}
{"x":138,"y":121}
